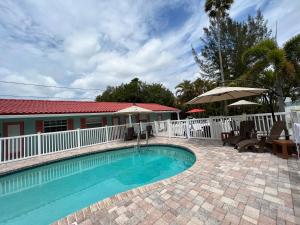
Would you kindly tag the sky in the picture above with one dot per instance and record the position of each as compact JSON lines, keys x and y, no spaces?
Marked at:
{"x":92,"y":44}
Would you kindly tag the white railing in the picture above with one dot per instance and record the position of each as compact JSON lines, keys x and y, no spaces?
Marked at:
{"x":212,"y":127}
{"x":264,"y":122}
{"x":19,"y":147}
{"x":199,"y":128}
{"x":13,"y":148}
{"x":161,"y":128}
{"x":177,"y":128}
{"x":225,"y":124}
{"x":57,"y":141}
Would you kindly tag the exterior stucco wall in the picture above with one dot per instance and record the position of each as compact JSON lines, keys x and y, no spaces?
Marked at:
{"x":30,"y":123}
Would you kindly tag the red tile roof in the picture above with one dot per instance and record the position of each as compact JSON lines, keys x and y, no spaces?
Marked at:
{"x":21,"y":107}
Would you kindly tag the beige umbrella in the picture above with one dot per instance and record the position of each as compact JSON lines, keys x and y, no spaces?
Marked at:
{"x":242,"y":103}
{"x":226,"y":93}
{"x":133,"y":110}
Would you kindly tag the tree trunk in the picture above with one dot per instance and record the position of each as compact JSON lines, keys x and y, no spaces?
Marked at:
{"x":221,"y":60}
{"x":220,"y":55}
{"x":279,"y":93}
{"x":270,"y":105}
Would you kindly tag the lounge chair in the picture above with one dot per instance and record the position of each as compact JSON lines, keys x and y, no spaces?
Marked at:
{"x":246,"y":129}
{"x":277,"y":128}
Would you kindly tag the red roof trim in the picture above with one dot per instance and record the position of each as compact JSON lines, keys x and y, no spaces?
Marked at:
{"x":29,"y":107}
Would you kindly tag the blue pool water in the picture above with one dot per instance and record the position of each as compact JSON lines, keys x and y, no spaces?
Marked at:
{"x":45,"y":194}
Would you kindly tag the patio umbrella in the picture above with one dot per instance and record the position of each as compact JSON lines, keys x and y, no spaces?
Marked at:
{"x":196,"y":111}
{"x":242,"y":103}
{"x":133,"y":110}
{"x":226,"y":93}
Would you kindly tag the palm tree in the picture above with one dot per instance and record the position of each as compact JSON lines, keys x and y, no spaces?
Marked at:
{"x":200,"y":86}
{"x":267,"y":62}
{"x":185,"y":91}
{"x":217,"y":9}
{"x":292,"y":51}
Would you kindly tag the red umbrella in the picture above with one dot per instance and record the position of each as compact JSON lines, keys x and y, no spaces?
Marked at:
{"x":196,"y":111}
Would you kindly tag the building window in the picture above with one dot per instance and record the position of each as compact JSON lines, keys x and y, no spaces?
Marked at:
{"x":93,"y":122}
{"x":144,"y":118}
{"x":116,"y":120}
{"x":55,"y":125}
{"x":159,"y":117}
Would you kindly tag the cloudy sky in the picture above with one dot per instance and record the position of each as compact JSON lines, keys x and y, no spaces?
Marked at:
{"x":91,"y":44}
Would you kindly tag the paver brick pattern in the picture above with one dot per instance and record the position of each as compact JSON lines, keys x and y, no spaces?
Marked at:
{"x":222,"y":187}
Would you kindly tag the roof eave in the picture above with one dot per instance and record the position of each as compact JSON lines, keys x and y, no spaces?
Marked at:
{"x":11,"y":116}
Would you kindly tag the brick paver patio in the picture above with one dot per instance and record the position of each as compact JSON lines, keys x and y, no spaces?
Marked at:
{"x":222,"y":187}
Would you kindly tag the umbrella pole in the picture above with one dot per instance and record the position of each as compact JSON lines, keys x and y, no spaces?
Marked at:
{"x":178,"y":116}
{"x":129,"y":118}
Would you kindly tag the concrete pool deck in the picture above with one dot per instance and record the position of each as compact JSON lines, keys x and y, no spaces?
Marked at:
{"x":222,"y":187}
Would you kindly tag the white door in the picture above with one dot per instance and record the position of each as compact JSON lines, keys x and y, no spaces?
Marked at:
{"x":13,"y":130}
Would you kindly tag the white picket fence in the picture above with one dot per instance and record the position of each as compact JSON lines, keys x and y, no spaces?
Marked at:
{"x":19,"y":147}
{"x":212,"y":127}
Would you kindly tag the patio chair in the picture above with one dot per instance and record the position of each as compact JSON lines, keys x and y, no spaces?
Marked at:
{"x":247,"y":127}
{"x":277,"y":128}
{"x":130,"y":134}
{"x":149,"y":130}
{"x":206,"y":131}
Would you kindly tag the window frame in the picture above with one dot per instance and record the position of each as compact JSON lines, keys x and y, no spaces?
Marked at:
{"x":55,"y":125}
{"x":93,"y":121}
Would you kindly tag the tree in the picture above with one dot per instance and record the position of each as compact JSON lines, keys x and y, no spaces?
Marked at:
{"x":187,"y":90}
{"x":157,"y":93}
{"x":267,"y":64}
{"x":237,"y":38}
{"x":292,"y":52}
{"x":217,"y":9}
{"x":137,"y":91}
{"x":184,"y":91}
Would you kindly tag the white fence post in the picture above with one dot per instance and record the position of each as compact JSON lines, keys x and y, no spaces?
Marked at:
{"x":212,"y":128}
{"x":187,"y":123}
{"x":106,"y":133}
{"x":156,"y":127}
{"x":78,"y":138}
{"x":39,"y":143}
{"x":169,"y":128}
{"x":140,"y":127}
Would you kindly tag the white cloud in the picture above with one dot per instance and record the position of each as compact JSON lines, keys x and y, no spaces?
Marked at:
{"x":82,"y":44}
{"x":92,"y":44}
{"x":286,"y":14}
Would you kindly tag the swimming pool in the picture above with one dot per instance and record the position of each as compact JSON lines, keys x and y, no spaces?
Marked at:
{"x":47,"y":193}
